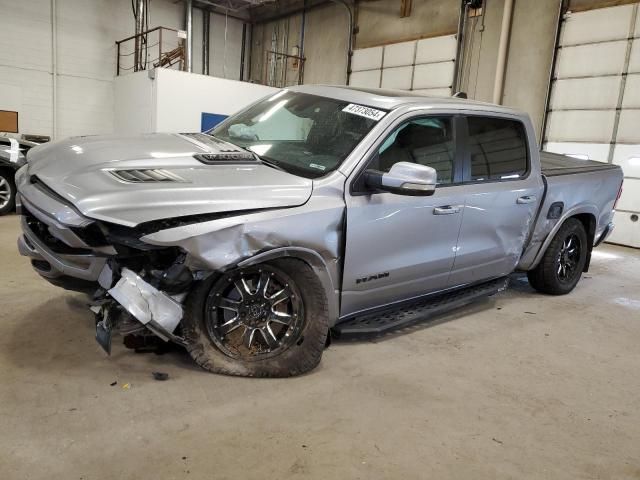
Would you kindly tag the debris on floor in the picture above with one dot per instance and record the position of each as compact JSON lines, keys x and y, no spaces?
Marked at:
{"x":160,"y":376}
{"x":113,"y":384}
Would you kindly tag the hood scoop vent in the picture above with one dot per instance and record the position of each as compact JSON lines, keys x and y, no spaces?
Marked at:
{"x":226,"y":158}
{"x":146,"y":176}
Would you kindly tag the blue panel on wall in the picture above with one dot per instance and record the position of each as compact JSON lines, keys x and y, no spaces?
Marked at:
{"x":210,"y":120}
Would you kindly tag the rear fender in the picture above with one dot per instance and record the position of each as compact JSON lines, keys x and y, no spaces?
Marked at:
{"x":582,"y":212}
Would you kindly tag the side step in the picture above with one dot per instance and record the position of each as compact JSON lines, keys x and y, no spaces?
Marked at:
{"x":403,"y":315}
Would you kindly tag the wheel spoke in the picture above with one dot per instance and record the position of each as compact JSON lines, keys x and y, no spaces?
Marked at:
{"x":230,"y":325}
{"x":280,"y":317}
{"x":269,"y":337}
{"x":228,"y":304}
{"x":243,"y":288}
{"x":248,"y":335}
{"x":263,"y":284}
{"x":279,"y":297}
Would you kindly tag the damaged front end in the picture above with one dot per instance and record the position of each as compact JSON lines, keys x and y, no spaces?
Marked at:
{"x":135,"y":288}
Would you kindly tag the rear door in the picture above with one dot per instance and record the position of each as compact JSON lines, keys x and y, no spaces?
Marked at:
{"x":398,"y":246}
{"x":501,"y":198}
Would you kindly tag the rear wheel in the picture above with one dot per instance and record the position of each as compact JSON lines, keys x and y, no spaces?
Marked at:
{"x":7,"y":192}
{"x":268,"y":320}
{"x":562,"y":264}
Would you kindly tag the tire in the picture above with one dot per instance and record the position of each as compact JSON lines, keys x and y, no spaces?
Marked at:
{"x":217,"y":330}
{"x":7,"y":192}
{"x":560,"y":269}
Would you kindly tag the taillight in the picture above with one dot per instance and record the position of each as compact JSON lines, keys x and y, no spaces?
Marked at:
{"x":619,"y":195}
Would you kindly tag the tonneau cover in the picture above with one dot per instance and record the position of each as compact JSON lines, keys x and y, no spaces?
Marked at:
{"x":553,"y":164}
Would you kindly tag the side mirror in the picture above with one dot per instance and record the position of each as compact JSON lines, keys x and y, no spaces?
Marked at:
{"x":404,"y":178}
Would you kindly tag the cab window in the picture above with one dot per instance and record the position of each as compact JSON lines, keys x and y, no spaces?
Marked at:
{"x":426,"y":141}
{"x":498,"y":149}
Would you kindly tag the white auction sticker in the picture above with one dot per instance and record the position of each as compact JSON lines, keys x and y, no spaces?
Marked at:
{"x":363,"y":111}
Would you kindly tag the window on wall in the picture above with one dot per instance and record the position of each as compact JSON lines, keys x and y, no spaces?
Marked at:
{"x":426,"y":141}
{"x":498,"y":149}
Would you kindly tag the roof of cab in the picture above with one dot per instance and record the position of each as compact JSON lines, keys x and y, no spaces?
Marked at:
{"x":391,"y":99}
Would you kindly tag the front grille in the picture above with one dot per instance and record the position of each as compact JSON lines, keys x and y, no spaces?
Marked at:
{"x":146,"y":176}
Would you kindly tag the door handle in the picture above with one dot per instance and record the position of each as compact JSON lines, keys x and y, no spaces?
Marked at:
{"x":446,"y":210}
{"x":526,"y":199}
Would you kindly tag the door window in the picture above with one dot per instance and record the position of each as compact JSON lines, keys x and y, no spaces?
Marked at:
{"x":426,"y":141}
{"x":498,"y":149}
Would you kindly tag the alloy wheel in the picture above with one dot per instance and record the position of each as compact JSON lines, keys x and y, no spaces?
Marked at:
{"x":5,"y":192}
{"x":254,"y":313}
{"x":568,"y":258}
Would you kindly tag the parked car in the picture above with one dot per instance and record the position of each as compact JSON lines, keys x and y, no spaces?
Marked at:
{"x":316,"y":208}
{"x":12,"y":157}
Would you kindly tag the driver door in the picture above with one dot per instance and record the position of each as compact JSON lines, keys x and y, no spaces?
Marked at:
{"x":399,"y":246}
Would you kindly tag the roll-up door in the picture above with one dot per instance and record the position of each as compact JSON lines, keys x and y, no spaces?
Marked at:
{"x":594,"y":108}
{"x":424,"y":66}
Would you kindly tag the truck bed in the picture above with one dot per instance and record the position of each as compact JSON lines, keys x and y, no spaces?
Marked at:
{"x":554,"y":164}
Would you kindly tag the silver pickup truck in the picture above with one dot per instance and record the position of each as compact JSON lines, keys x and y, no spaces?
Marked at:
{"x":319,"y":209}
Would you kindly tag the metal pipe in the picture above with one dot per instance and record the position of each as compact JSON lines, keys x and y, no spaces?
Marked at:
{"x":188,"y":26}
{"x":505,"y":33}
{"x":242,"y":49}
{"x":54,"y":70}
{"x":205,"y":42}
{"x":139,"y":17}
{"x":303,"y":22}
{"x":250,"y":52}
{"x":349,"y":38}
{"x":464,"y":6}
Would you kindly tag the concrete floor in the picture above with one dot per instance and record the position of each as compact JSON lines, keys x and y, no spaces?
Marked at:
{"x":518,"y":386}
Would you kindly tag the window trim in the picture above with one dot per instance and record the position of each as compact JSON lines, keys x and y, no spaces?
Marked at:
{"x":466,"y":160}
{"x":458,"y":123}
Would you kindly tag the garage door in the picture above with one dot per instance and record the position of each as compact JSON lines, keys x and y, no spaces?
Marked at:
{"x":420,"y":65}
{"x":594,"y":108}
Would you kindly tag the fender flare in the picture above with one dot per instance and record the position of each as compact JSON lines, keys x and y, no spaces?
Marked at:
{"x":578,"y":210}
{"x":315,"y":261}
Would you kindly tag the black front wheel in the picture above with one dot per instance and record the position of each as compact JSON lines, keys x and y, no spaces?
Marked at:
{"x":562,"y":264}
{"x":268,"y":320}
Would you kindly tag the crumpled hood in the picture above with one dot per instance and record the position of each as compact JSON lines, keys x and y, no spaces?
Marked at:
{"x":81,"y":170}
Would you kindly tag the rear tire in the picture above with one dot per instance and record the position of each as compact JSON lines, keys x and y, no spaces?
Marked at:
{"x":7,"y":192}
{"x":561,"y":267}
{"x":228,"y":331}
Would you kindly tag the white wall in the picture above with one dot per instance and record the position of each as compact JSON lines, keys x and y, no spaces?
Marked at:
{"x":87,"y":31}
{"x":173,"y":101}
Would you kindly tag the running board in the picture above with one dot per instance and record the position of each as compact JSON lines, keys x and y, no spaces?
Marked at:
{"x":399,"y":316}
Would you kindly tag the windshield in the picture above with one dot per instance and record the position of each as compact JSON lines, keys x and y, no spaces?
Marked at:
{"x":303,"y":134}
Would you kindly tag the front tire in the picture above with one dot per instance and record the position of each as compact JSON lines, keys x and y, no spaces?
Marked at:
{"x":268,"y":320}
{"x":7,"y":192}
{"x":561,"y":267}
